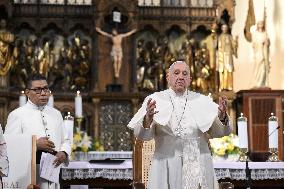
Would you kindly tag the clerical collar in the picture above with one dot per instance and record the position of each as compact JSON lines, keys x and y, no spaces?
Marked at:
{"x":174,"y":94}
{"x":34,"y":106}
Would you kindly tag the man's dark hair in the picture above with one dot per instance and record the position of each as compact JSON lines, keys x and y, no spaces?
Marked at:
{"x":34,"y":77}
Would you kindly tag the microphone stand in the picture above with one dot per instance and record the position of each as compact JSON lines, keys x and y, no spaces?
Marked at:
{"x":248,"y":175}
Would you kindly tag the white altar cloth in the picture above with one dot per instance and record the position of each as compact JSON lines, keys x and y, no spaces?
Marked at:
{"x":232,"y":170}
{"x":259,"y":170}
{"x":85,"y":170}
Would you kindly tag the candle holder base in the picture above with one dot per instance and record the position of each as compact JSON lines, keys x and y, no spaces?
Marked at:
{"x":273,"y":155}
{"x":79,"y":121}
{"x":243,"y":155}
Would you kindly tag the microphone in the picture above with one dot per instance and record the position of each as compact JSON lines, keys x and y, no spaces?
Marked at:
{"x":274,"y":131}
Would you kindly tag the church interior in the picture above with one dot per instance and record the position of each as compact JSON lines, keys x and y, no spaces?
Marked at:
{"x":102,"y":58}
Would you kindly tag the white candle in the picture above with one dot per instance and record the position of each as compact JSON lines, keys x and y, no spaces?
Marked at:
{"x":50,"y":101}
{"x":78,"y":105}
{"x":210,"y":95}
{"x":69,"y":127}
{"x":22,"y":99}
{"x":243,"y":132}
{"x":273,"y":132}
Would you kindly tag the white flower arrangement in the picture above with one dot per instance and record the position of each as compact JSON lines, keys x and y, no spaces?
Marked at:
{"x":81,"y":141}
{"x":225,"y":146}
{"x":84,"y":143}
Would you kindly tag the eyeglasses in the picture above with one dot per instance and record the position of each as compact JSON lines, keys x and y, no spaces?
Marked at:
{"x":39,"y":90}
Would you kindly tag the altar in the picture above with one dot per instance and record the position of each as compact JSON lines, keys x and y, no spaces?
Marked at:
{"x":119,"y":175}
{"x":102,"y":175}
{"x":263,"y":174}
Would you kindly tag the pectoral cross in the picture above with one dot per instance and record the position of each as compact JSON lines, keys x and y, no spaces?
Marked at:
{"x":178,"y":131}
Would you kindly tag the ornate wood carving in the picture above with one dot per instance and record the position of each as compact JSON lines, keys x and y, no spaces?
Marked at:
{"x":114,"y":116}
{"x":228,"y":5}
{"x":66,"y":20}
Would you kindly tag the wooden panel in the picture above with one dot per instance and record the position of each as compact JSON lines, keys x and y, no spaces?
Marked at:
{"x":257,"y":105}
{"x":258,"y":139}
{"x":260,"y":107}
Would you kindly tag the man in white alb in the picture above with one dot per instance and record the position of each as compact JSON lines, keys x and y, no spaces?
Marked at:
{"x":36,"y":118}
{"x":181,"y":121}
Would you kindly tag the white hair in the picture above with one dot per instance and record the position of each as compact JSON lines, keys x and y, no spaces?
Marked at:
{"x":177,"y":62}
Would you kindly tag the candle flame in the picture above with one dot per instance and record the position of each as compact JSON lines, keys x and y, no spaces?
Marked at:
{"x":78,"y":93}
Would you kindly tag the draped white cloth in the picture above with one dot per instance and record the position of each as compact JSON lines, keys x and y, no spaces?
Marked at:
{"x":181,"y":159}
{"x":19,"y":152}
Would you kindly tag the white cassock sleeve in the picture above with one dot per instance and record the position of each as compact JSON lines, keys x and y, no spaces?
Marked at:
{"x":219,"y":129}
{"x":163,"y":116}
{"x":204,"y":111}
{"x":14,"y":124}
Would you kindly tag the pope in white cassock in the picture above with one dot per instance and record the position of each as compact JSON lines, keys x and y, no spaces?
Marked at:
{"x":36,"y":118}
{"x":181,"y":122}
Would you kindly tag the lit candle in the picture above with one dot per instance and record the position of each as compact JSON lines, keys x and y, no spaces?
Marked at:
{"x":210,"y":95}
{"x":78,"y":105}
{"x":22,"y":99}
{"x":50,"y":100}
{"x":243,"y":131}
{"x":273,"y":131}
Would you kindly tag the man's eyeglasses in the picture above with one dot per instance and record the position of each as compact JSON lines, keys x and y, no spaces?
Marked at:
{"x":39,"y":90}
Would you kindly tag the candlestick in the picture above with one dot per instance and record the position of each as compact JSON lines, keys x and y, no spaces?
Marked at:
{"x":22,"y":99}
{"x":273,"y":131}
{"x":243,"y":137}
{"x":69,"y":127}
{"x":78,"y":105}
{"x":79,"y":121}
{"x":50,"y":100}
{"x":273,"y":137}
{"x":243,"y":131}
{"x":210,"y":95}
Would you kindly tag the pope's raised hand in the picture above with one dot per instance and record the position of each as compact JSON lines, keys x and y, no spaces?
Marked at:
{"x":223,"y":104}
{"x":150,"y":112}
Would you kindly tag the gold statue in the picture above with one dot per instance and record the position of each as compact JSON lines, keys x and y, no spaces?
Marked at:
{"x":8,"y":54}
{"x":116,"y":51}
{"x":46,"y":58}
{"x":202,"y":69}
{"x":227,"y":47}
{"x":211,"y":44}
